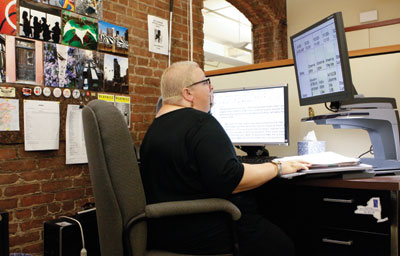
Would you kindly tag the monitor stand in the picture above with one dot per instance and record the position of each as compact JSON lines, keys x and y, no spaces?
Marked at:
{"x":379,"y":117}
{"x":254,"y":151}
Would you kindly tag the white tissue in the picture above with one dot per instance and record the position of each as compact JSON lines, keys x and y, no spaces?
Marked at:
{"x":310,"y":136}
{"x":310,"y":145}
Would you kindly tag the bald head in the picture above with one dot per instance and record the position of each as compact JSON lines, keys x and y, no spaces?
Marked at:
{"x":176,"y":77}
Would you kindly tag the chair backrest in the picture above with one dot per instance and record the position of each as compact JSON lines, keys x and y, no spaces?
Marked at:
{"x":115,"y":177}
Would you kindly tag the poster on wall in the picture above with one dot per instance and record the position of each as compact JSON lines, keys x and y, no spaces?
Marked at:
{"x":8,"y":17}
{"x":89,"y":70}
{"x":124,"y":106}
{"x":65,"y":4}
{"x":2,"y":58}
{"x":59,"y":65}
{"x":24,"y":61}
{"x":93,"y":8}
{"x":79,"y":31}
{"x":9,"y":115}
{"x":38,"y":22}
{"x":116,"y":74}
{"x":113,"y":38}
{"x":158,"y":34}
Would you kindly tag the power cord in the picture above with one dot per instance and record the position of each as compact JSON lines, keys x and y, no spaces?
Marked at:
{"x":330,"y":108}
{"x":83,"y":251}
{"x":369,"y":151}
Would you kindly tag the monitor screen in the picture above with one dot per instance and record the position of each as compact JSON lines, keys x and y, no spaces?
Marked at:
{"x":321,"y":62}
{"x":253,"y":116}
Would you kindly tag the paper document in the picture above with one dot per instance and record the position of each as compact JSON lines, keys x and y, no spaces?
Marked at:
{"x":9,"y":115}
{"x":42,"y":124}
{"x":324,"y":159}
{"x":74,"y":139}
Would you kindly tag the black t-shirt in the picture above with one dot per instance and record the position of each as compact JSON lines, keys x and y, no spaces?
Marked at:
{"x":186,"y":155}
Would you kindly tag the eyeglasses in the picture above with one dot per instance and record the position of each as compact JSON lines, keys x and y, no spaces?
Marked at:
{"x":205,"y":82}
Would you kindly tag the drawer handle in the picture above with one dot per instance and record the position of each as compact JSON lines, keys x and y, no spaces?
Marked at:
{"x":332,"y":241}
{"x":335,"y":200}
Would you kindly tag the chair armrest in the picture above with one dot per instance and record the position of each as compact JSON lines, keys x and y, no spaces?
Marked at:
{"x":174,"y":208}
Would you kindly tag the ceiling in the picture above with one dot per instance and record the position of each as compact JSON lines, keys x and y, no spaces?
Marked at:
{"x":227,"y":36}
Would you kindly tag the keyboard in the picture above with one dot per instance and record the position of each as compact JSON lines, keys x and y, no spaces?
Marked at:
{"x":255,"y":159}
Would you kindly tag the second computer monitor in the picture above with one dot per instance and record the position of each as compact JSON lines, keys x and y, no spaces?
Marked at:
{"x":253,"y":116}
{"x":321,"y":62}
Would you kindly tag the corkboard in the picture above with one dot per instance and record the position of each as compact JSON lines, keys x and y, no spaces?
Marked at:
{"x":17,"y":137}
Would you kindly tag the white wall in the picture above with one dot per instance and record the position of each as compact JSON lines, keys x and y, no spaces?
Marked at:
{"x":303,"y":13}
{"x":374,"y":76}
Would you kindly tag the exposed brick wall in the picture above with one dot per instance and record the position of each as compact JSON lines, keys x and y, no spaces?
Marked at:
{"x":268,"y":18}
{"x":37,"y":186}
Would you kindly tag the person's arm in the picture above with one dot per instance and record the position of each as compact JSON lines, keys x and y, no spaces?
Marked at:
{"x":255,"y":175}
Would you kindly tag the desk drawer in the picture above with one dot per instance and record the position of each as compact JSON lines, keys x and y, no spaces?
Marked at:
{"x":343,"y":243}
{"x":336,"y":208}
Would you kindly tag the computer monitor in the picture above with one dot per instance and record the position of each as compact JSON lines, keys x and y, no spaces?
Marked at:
{"x":253,"y":116}
{"x":322,"y":64}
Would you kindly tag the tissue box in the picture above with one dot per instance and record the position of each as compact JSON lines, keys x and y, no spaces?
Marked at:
{"x":310,"y":147}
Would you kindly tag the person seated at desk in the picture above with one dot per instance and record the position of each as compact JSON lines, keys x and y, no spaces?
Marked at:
{"x":187,"y":155}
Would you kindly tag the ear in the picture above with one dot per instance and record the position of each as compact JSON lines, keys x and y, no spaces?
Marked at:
{"x":187,"y":94}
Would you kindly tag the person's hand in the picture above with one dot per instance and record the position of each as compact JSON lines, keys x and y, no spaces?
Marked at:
{"x":294,"y":166}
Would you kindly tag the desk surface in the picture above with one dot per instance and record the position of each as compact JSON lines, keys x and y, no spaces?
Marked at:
{"x":375,"y":183}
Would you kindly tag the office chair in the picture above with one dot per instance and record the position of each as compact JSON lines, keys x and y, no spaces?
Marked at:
{"x":118,"y":191}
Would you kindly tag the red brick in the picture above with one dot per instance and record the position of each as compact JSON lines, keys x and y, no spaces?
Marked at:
{"x":39,"y":211}
{"x":8,"y":204}
{"x":68,"y":206}
{"x":53,"y":186}
{"x":7,"y":153}
{"x":24,"y":238}
{"x":21,"y":189}
{"x":8,"y":178}
{"x":51,"y":162}
{"x":82,"y":182}
{"x":35,"y":248}
{"x":36,"y":199}
{"x":12,"y":228}
{"x":54,"y":207}
{"x":18,"y":165}
{"x":147,"y":90}
{"x":23,"y":214}
{"x":69,"y":172}
{"x":36,"y":175}
{"x":70,"y":194}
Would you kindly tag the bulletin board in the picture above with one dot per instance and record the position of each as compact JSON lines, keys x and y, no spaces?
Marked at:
{"x":17,"y":137}
{"x":71,"y":48}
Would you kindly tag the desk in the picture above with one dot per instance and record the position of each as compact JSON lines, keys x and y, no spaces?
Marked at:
{"x":319,"y":214}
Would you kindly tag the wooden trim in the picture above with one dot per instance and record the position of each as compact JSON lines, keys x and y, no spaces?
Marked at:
{"x":375,"y":183}
{"x":376,"y":50}
{"x":263,"y":65}
{"x":288,"y":62}
{"x":373,"y":25}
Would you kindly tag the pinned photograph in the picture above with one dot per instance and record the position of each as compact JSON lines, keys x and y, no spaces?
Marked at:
{"x":2,"y":58}
{"x":79,"y":31}
{"x":8,"y":17}
{"x":92,"y":8}
{"x":124,"y":106}
{"x":24,"y":61}
{"x":59,"y":65}
{"x":113,"y":38}
{"x":65,"y":4}
{"x":89,"y":70}
{"x":116,"y":74}
{"x":39,"y":23}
